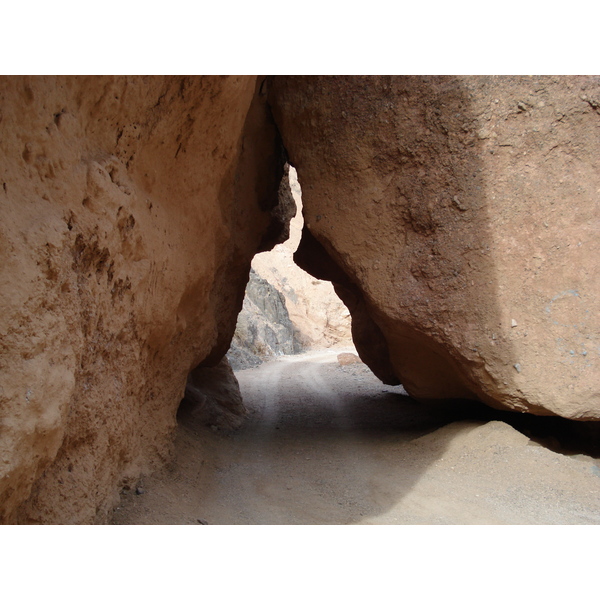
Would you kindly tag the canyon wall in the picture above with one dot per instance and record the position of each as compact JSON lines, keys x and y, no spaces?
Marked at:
{"x":264,"y":329}
{"x":458,"y":218}
{"x":131,"y":210}
{"x":285,"y":309}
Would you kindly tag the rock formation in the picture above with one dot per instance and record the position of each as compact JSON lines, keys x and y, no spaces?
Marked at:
{"x":458,"y":219}
{"x":285,"y":309}
{"x":264,"y":329}
{"x":212,"y":397}
{"x":317,"y":313}
{"x":131,"y":210}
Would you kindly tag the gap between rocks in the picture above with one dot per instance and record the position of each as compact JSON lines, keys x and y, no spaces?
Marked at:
{"x":320,"y":440}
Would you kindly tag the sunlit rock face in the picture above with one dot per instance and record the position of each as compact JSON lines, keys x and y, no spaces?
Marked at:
{"x":131,"y":209}
{"x":264,"y":329}
{"x":458,"y":218}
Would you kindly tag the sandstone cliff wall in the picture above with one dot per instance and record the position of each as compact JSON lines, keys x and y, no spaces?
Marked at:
{"x":458,"y":218}
{"x":131,"y":209}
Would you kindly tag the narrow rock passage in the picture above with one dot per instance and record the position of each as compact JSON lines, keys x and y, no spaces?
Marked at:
{"x":326,"y":444}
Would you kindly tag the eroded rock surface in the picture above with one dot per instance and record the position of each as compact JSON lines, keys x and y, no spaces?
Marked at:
{"x":212,"y":397}
{"x":131,"y":209}
{"x":264,"y":329}
{"x":458,"y":219}
{"x":321,"y":319}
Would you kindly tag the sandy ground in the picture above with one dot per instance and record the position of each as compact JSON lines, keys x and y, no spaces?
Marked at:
{"x":326,"y":444}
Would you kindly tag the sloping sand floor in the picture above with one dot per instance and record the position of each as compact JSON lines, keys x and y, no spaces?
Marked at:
{"x":326,"y":444}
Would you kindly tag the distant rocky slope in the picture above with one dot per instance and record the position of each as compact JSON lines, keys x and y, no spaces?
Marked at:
{"x":315,"y":309}
{"x":285,"y":309}
{"x":264,"y":329}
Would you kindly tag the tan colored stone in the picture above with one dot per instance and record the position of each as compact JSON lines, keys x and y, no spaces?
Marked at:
{"x":131,"y":209}
{"x":212,"y":397}
{"x":446,"y":210}
{"x":347,"y":358}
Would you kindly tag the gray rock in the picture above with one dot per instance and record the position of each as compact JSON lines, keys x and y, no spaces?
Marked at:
{"x":212,"y":397}
{"x":264,"y":329}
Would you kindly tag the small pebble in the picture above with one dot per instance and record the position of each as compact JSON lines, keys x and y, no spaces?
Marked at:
{"x":139,"y":491}
{"x":517,"y":367}
{"x":202,"y":521}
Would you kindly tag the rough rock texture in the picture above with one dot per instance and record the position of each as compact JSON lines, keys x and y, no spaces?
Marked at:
{"x":264,"y":329}
{"x":285,"y":309}
{"x":348,"y":358}
{"x":458,"y":218}
{"x":321,"y":319}
{"x":212,"y":397}
{"x":131,"y":209}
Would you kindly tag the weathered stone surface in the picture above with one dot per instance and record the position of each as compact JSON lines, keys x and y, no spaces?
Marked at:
{"x":321,"y":319}
{"x":264,"y":329}
{"x":458,"y":218}
{"x":131,"y":209}
{"x":212,"y":397}
{"x":348,"y":358}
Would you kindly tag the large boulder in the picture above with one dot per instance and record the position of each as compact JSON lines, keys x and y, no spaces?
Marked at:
{"x":213,"y":398}
{"x":131,"y":209}
{"x":458,"y":218}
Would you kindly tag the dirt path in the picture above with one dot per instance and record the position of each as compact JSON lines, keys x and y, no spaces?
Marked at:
{"x":326,"y":444}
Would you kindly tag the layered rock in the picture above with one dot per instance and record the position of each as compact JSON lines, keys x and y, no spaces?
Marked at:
{"x":458,"y":219}
{"x":264,"y":329}
{"x":131,"y":209}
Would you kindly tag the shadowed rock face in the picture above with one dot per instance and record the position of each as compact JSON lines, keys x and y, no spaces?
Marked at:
{"x":458,"y":219}
{"x":131,"y":209}
{"x":212,"y":397}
